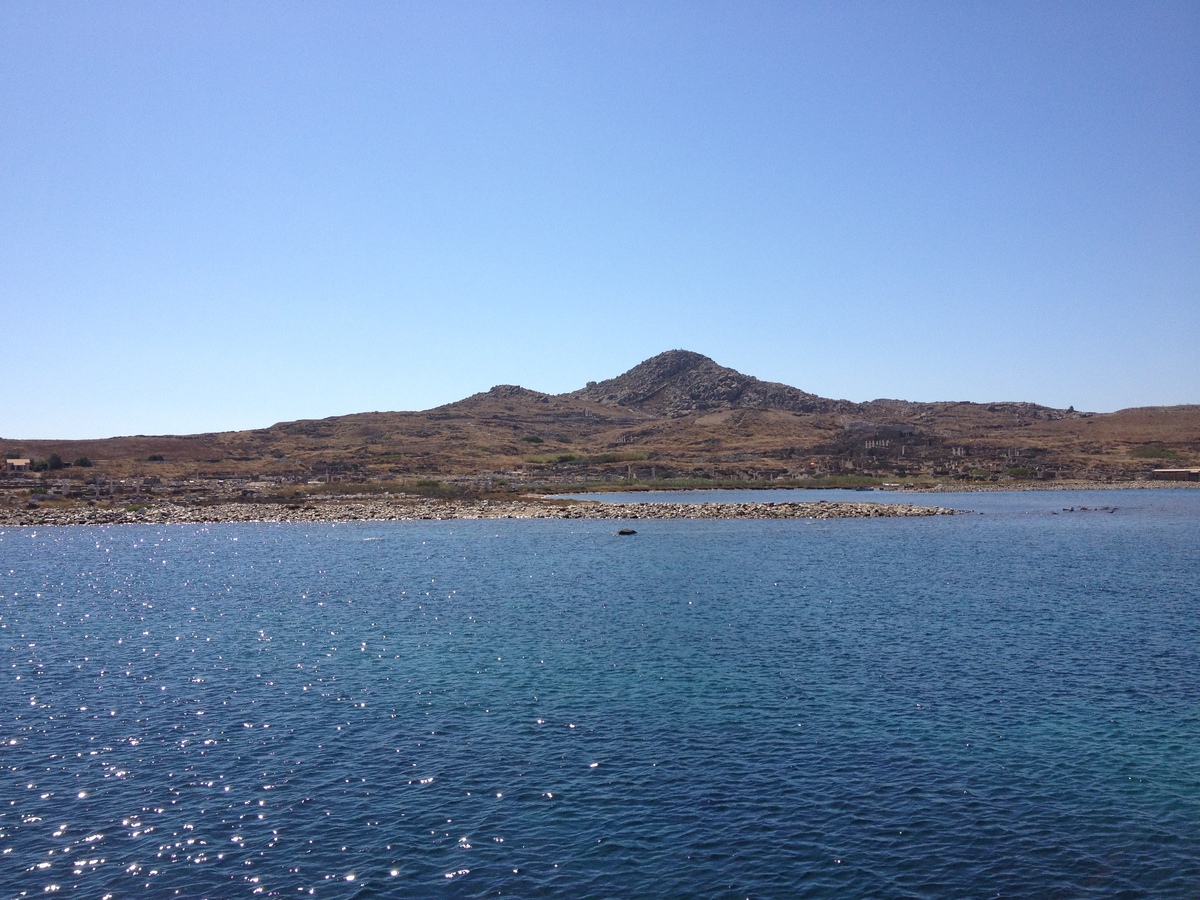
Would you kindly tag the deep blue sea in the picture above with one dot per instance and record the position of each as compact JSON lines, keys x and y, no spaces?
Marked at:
{"x":1002,"y":704}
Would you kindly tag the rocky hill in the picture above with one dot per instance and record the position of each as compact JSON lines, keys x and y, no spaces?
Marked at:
{"x":680,"y":383}
{"x":679,"y":415}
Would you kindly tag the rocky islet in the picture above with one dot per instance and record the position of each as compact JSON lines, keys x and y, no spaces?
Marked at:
{"x":401,"y":508}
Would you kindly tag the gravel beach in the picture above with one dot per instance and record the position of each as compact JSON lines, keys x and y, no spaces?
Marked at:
{"x":393,"y":508}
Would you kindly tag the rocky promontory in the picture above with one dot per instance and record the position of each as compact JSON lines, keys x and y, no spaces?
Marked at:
{"x":400,"y":508}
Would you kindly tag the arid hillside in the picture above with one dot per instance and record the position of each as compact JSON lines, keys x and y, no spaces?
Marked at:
{"x":677,"y":417}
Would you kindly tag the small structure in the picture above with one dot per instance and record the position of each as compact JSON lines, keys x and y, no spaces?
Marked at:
{"x":17,"y":465}
{"x":1176,"y":475}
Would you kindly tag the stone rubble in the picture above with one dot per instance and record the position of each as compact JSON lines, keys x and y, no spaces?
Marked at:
{"x":393,"y":508}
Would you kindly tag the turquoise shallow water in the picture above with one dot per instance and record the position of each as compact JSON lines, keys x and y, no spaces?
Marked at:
{"x":999,"y":704}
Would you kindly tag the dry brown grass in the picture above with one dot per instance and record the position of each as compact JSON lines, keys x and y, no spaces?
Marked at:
{"x":490,"y":432}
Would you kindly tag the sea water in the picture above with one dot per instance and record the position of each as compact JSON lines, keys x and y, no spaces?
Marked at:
{"x":1005,"y":703}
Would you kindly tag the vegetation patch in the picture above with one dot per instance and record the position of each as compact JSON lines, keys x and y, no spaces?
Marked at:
{"x":580,"y":459}
{"x":551,"y":458}
{"x":1153,"y":451}
{"x":51,"y":463}
{"x":625,"y":485}
{"x":619,"y":456}
{"x":431,"y":487}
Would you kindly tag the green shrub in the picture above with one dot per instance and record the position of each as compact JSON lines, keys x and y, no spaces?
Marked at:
{"x":83,"y":462}
{"x":602,"y":459}
{"x":1154,"y":451}
{"x":619,"y":456}
{"x":532,"y":439}
{"x":548,"y":458}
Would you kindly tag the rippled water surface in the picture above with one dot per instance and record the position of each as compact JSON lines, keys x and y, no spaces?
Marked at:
{"x":1005,"y":703}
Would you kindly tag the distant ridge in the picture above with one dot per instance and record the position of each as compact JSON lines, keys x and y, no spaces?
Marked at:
{"x":678,"y":415}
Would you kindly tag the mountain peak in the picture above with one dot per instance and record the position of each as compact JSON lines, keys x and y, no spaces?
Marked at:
{"x":677,"y":359}
{"x":679,"y":382}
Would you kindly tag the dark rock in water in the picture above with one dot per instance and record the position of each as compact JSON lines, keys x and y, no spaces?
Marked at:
{"x":626,"y":531}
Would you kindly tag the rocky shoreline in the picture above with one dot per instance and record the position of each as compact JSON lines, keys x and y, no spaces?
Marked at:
{"x":940,"y":487}
{"x":392,"y":508}
{"x":968,"y":488}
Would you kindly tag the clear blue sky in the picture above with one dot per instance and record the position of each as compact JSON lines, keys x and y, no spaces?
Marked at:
{"x":222,"y":215}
